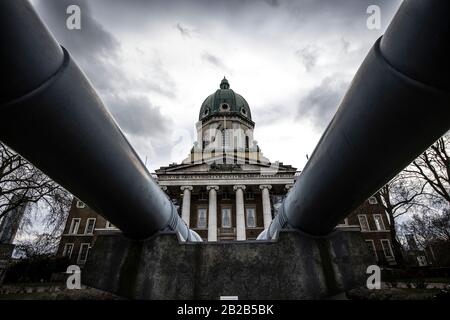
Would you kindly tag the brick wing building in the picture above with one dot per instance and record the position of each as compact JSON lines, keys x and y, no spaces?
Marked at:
{"x":374,"y":224}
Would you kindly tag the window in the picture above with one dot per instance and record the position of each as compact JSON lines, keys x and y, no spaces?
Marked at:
{"x":422,"y":261}
{"x":226,"y":218}
{"x":201,"y":218}
{"x":372,"y":249}
{"x":225,"y":196}
{"x":83,"y":254}
{"x":202,"y":196}
{"x":74,"y":226}
{"x":90,"y":226}
{"x":247,"y":144}
{"x":378,"y":222}
{"x":251,"y":217}
{"x":224,"y":107}
{"x":363,"y":222}
{"x":250,"y":195}
{"x":373,"y":200}
{"x":68,"y":248}
{"x":109,"y":225}
{"x":225,"y":137}
{"x":80,"y":204}
{"x":387,"y":249}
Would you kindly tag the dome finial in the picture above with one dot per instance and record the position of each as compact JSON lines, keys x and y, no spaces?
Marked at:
{"x":224,"y":83}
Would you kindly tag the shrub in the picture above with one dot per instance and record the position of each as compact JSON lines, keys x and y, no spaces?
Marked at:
{"x":35,"y":269}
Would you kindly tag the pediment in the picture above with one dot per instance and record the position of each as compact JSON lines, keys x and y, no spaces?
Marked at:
{"x":219,"y":165}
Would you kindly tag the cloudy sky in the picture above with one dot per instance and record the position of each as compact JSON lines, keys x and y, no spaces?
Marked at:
{"x":154,"y":62}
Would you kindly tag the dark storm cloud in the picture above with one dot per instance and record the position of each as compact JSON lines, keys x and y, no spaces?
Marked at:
{"x":321,"y":103}
{"x":98,"y":53}
{"x":92,"y":39}
{"x":344,"y":10}
{"x":273,"y":3}
{"x":249,"y":18}
{"x":93,"y":47}
{"x":307,"y":5}
{"x":136,"y":115}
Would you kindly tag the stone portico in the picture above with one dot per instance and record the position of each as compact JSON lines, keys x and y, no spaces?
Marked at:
{"x":225,"y":205}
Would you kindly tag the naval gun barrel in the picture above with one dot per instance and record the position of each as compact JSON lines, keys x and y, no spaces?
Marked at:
{"x":397,"y":105}
{"x":51,"y":115}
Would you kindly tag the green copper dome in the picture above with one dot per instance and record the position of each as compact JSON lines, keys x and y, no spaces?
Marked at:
{"x":225,"y":100}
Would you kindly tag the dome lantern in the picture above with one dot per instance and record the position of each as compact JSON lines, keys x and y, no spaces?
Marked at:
{"x":224,"y":84}
{"x":225,"y":101}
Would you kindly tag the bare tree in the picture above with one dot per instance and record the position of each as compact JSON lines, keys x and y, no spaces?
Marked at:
{"x":422,"y":187}
{"x":398,"y":197}
{"x":21,"y":183}
{"x":429,"y":228}
{"x":433,"y":168}
{"x":37,"y":246}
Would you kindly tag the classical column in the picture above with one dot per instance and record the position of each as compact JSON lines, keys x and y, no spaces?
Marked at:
{"x":212,"y":213}
{"x":240,"y":214}
{"x":267,"y":211}
{"x":186,"y":209}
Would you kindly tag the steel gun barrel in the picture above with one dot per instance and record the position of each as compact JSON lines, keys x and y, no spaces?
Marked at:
{"x":397,"y":105}
{"x":51,"y":115}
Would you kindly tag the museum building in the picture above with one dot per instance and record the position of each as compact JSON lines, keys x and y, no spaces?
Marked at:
{"x":226,"y":189}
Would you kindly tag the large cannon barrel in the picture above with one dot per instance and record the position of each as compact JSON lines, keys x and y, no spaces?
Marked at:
{"x":397,"y":105}
{"x":51,"y":115}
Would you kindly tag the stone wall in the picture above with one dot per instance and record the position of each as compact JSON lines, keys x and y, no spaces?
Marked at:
{"x":296,"y":266}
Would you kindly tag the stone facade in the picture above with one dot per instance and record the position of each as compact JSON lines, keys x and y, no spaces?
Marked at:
{"x":228,"y":205}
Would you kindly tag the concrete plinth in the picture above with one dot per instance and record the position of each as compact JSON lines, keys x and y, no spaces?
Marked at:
{"x":296,"y":266}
